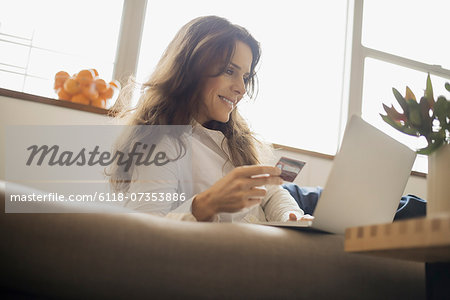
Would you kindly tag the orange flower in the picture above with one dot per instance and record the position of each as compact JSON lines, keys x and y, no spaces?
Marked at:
{"x":85,"y":77}
{"x":63,"y":95}
{"x":99,"y":103}
{"x":89,"y":91}
{"x":60,"y":78}
{"x":108,"y":93}
{"x":72,"y":86}
{"x":80,"y":98}
{"x":100,"y":85}
{"x":115,"y":84}
{"x":95,"y":72}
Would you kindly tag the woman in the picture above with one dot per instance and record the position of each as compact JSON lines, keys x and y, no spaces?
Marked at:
{"x":201,"y":77}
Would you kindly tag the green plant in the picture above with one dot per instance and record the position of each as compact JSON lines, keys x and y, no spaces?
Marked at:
{"x":427,"y":118}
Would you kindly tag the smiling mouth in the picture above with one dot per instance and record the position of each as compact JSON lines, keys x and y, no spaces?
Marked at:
{"x":227,"y":101}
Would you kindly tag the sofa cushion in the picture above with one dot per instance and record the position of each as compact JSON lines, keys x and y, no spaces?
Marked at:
{"x":133,"y":255}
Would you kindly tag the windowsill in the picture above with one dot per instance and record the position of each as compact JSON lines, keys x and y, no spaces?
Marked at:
{"x":51,"y":101}
{"x":97,"y":110}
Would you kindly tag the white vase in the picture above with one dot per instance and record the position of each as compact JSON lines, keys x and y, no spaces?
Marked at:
{"x":438,"y":182}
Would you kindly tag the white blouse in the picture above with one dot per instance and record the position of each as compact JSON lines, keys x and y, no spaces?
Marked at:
{"x":161,"y":189}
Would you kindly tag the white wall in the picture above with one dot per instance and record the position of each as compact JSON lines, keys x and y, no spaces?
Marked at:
{"x":15,"y":112}
{"x":21,"y":112}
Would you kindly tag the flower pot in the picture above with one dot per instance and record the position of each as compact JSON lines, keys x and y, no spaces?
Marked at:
{"x":438,"y":182}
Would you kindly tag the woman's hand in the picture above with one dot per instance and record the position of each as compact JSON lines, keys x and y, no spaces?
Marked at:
{"x":238,"y":189}
{"x":293,"y":217}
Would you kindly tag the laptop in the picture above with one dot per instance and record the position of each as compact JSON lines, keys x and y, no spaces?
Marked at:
{"x":366,"y":182}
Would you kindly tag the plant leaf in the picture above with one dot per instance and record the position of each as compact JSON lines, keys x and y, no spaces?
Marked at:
{"x":427,"y":121}
{"x":447,"y":86}
{"x":401,"y":101}
{"x":431,"y":148}
{"x":394,"y":114}
{"x":405,"y":129}
{"x":409,"y":95}
{"x":414,"y":113}
{"x":441,"y":110}
{"x":440,"y":135}
{"x":429,"y":92}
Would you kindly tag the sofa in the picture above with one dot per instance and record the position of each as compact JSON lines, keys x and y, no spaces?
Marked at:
{"x":121,"y":255}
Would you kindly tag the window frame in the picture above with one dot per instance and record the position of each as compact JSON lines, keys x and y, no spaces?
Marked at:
{"x":132,"y":27}
{"x":355,"y":69}
{"x":127,"y":48}
{"x":130,"y":36}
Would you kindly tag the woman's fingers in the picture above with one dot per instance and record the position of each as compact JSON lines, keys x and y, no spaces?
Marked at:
{"x":293,"y":217}
{"x":239,"y":189}
{"x":252,"y":201}
{"x":236,"y":206}
{"x":245,"y":199}
{"x":259,"y":175}
{"x":256,"y":192}
{"x":266,"y":180}
{"x":248,"y":171}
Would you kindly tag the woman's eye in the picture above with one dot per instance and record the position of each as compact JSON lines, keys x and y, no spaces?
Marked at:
{"x":229,"y":72}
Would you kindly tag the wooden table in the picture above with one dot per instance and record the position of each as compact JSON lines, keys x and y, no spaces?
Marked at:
{"x":421,"y":239}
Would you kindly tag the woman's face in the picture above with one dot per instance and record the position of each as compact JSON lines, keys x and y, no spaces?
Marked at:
{"x":221,"y":94}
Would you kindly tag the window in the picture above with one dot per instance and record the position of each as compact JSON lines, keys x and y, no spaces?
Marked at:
{"x":300,"y":75}
{"x":40,"y":38}
{"x":398,"y":52}
{"x":379,"y":78}
{"x":307,"y":88}
{"x":415,"y":30}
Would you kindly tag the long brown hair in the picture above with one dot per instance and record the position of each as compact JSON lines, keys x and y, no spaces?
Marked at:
{"x":172,"y":94}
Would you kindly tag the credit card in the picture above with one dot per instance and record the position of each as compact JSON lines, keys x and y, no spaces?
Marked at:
{"x":289,"y":168}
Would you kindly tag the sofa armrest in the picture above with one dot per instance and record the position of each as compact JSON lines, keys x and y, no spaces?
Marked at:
{"x":135,"y":255}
